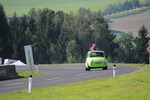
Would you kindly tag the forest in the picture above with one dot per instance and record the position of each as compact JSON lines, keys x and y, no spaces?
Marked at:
{"x":57,"y":37}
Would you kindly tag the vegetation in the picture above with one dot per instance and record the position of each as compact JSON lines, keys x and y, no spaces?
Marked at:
{"x":27,"y":74}
{"x":140,"y":41}
{"x":57,"y":37}
{"x":22,"y":7}
{"x":134,"y":86}
{"x":5,"y":35}
{"x":127,"y":14}
{"x":125,"y":6}
{"x":126,"y":47}
{"x":66,"y":6}
{"x":133,"y":47}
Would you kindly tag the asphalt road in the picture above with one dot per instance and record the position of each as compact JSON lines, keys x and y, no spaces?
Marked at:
{"x":60,"y":74}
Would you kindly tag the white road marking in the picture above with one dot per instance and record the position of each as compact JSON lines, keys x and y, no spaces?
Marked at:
{"x":81,"y":74}
{"x":53,"y":78}
{"x":13,"y":84}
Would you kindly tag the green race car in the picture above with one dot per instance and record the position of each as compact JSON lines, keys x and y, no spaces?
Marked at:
{"x":96,"y":59}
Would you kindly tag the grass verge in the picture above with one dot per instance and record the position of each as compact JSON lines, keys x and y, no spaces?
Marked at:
{"x":26,"y":74}
{"x":132,"y":86}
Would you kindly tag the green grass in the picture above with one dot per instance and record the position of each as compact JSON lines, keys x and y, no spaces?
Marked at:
{"x":26,"y":74}
{"x":22,"y":6}
{"x":133,"y":86}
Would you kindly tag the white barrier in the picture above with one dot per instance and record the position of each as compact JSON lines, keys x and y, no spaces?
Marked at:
{"x":9,"y":61}
{"x":0,"y":60}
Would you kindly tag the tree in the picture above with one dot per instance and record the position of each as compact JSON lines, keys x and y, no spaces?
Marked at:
{"x":135,"y":3}
{"x":45,"y":34}
{"x":73,"y":56}
{"x":28,"y":39}
{"x":54,"y":35}
{"x":126,"y":48}
{"x":83,"y":31}
{"x":110,"y":9}
{"x":66,"y":35}
{"x":127,"y":5}
{"x":5,"y":36}
{"x":18,"y":28}
{"x":102,"y":36}
{"x":140,"y":49}
{"x":58,"y":21}
{"x":32,"y":17}
{"x":119,"y":6}
{"x":147,"y":2}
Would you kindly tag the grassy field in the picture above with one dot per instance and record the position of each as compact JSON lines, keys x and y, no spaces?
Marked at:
{"x":22,"y":7}
{"x":133,"y":86}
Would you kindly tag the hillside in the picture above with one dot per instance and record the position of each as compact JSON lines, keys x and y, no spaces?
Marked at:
{"x":132,"y":23}
{"x":22,"y":7}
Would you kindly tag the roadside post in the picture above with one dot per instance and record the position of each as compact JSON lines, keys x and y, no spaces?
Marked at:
{"x":0,"y":60}
{"x":114,"y":71}
{"x":30,"y":84}
{"x":37,"y":68}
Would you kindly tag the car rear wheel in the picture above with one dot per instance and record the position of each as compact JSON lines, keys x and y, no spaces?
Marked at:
{"x":87,"y":69}
{"x":105,"y":68}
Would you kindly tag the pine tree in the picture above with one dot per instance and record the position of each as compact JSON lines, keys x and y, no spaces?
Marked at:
{"x":18,"y":28}
{"x":5,"y":36}
{"x":140,"y":49}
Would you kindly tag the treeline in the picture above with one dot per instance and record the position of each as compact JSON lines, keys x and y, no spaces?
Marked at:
{"x":57,"y":37}
{"x":125,"y":6}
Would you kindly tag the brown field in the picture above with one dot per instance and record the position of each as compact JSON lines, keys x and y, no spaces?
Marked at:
{"x":132,"y":23}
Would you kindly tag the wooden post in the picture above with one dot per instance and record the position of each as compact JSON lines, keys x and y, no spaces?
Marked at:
{"x":30,"y":61}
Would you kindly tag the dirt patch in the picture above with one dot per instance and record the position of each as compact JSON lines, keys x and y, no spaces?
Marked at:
{"x":132,"y":23}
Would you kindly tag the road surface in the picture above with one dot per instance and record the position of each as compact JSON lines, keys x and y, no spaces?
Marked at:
{"x":60,"y":74}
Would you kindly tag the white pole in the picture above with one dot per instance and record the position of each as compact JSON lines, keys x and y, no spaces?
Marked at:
{"x":30,"y":84}
{"x":114,"y":71}
{"x":0,"y":60}
{"x":37,"y":69}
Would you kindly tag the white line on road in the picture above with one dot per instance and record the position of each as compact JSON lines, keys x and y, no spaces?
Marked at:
{"x":53,"y":78}
{"x":81,"y":74}
{"x":13,"y":84}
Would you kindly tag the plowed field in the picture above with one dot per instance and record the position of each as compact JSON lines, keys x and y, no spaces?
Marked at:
{"x":132,"y":23}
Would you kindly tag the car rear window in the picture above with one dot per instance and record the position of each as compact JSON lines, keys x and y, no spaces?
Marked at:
{"x":96,"y":54}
